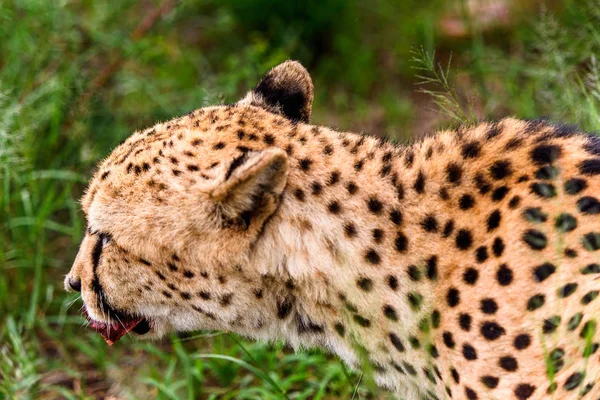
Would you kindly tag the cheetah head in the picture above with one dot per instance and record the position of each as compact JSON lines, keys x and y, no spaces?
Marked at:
{"x":175,"y":212}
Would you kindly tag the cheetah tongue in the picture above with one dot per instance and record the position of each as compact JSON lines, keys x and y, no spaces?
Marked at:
{"x":116,"y":330}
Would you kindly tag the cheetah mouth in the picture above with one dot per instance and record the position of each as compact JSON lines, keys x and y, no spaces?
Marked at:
{"x":112,"y":332}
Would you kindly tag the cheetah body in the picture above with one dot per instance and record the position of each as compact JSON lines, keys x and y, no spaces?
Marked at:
{"x":464,"y":266}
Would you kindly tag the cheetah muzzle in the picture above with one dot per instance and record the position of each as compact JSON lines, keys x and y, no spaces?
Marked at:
{"x":465,"y":265}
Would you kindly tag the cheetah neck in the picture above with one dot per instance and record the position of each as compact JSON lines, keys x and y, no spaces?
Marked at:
{"x":340,"y":238}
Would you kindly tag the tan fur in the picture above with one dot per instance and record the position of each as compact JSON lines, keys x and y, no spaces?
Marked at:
{"x":323,"y":238}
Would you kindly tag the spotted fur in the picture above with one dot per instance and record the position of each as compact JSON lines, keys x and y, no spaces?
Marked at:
{"x":465,"y":265}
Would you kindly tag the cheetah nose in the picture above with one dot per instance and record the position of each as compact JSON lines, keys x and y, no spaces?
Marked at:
{"x":75,"y":284}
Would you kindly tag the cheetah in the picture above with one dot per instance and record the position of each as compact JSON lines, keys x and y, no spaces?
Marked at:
{"x":465,"y":265}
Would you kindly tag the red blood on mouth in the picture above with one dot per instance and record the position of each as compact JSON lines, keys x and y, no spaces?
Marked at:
{"x":113,"y":331}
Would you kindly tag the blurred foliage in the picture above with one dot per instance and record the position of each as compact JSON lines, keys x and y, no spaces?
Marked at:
{"x":75,"y":81}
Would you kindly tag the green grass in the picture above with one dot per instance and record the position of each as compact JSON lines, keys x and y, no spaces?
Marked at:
{"x":55,"y":125}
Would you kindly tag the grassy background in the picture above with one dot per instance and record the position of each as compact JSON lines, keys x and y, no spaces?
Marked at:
{"x":77,"y":77}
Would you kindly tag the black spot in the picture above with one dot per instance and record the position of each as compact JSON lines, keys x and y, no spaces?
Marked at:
{"x":349,"y":229}
{"x":535,"y":302}
{"x":396,"y":342}
{"x":508,"y":363}
{"x":470,"y":276}
{"x":590,"y":167}
{"x":565,"y":222}
{"x":448,"y":340}
{"x":550,"y":324}
{"x":188,"y":274}
{"x":413,"y":273}
{"x":545,"y":154}
{"x":522,"y":341}
{"x":589,"y":297}
{"x":464,"y":320}
{"x":317,"y":188}
{"x":455,"y":375}
{"x":575,"y":185}
{"x":591,"y":241}
{"x":219,"y":146}
{"x":375,"y":206}
{"x":365,"y":284}
{"x":362,"y":321}
{"x":543,"y":190}
{"x":466,"y":202}
{"x":471,"y":150}
{"x":499,"y":193}
{"x":351,"y":187}
{"x":498,"y":247}
{"x":145,"y":262}
{"x":396,"y":217}
{"x":588,"y":205}
{"x":501,"y":169}
{"x":547,"y":172}
{"x":358,"y":165}
{"x":299,"y":194}
{"x":464,"y":239}
{"x":524,"y":391}
{"x":401,"y":242}
{"x":204,"y":295}
{"x":378,"y":235}
{"x":414,"y":342}
{"x":489,"y":306}
{"x":409,"y":368}
{"x":454,"y":173}
{"x":284,"y":308}
{"x":535,"y":214}
{"x":419,"y":185}
{"x":469,"y":352}
{"x":481,"y":254}
{"x":504,"y":275}
{"x":448,"y":228}
{"x":535,"y":239}
{"x":305,"y":164}
{"x":574,"y":321}
{"x":328,"y":149}
{"x":493,"y":220}
{"x":390,"y":313}
{"x":444,"y":195}
{"x":491,"y":330}
{"x":334,"y":178}
{"x":415,"y":300}
{"x":340,"y":329}
{"x":567,"y":290}
{"x":482,"y":184}
{"x":392,"y":282}
{"x":470,"y":393}
{"x":570,"y":253}
{"x":544,"y":271}
{"x":435,"y":319}
{"x":514,"y":202}
{"x":490,"y":382}
{"x":574,"y":380}
{"x":432,"y":273}
{"x":453,"y":297}
{"x":334,"y":207}
{"x":372,"y":257}
{"x":591,"y":269}
{"x":430,"y":224}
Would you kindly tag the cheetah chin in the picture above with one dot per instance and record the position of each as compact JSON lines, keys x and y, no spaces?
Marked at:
{"x":465,"y":265}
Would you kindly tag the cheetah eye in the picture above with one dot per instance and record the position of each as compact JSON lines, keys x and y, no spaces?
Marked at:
{"x":105,"y":238}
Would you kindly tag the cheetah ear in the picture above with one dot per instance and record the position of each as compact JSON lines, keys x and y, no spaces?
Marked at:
{"x":286,"y":89}
{"x":249,"y":190}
